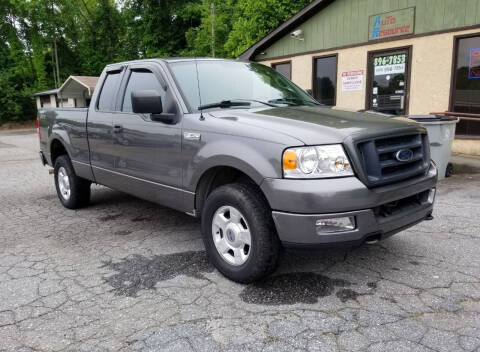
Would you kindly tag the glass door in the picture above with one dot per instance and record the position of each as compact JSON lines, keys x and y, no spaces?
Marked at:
{"x":388,"y":77}
{"x":466,"y":84}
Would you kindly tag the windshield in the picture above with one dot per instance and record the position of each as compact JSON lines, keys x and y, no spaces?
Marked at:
{"x":230,"y":81}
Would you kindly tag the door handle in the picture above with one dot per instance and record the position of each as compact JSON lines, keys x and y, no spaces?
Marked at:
{"x":117,"y":129}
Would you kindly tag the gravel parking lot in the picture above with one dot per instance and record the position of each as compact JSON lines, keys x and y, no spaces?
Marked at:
{"x":128,"y":275}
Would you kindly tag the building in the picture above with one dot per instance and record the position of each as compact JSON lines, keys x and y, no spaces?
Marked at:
{"x":404,"y":57}
{"x":75,"y":92}
{"x":46,"y":99}
{"x":78,"y":90}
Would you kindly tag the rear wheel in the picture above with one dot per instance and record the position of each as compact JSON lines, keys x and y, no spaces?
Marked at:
{"x":73,"y":191}
{"x":239,"y":233}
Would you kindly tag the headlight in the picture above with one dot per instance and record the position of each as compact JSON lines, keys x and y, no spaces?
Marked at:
{"x":316,"y":162}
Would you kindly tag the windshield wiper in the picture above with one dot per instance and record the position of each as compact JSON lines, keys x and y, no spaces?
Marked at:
{"x":232,"y":103}
{"x":224,"y":104}
{"x":292,"y":101}
{"x":259,"y":101}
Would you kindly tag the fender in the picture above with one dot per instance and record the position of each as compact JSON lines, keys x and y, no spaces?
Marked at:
{"x":63,"y":139}
{"x":251,"y":159}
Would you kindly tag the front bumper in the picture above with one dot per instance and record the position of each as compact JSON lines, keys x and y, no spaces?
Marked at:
{"x":299,"y":204}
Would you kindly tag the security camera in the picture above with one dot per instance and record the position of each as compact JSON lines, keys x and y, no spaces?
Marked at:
{"x":297,"y":34}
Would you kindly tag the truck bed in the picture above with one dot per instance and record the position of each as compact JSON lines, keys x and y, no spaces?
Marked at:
{"x":68,"y":124}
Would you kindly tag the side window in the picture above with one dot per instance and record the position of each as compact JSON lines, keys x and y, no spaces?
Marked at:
{"x":106,"y":101}
{"x":141,"y":80}
{"x":285,"y":68}
{"x":325,"y":80}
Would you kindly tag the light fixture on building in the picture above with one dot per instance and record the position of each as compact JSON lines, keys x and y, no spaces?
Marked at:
{"x":297,"y":34}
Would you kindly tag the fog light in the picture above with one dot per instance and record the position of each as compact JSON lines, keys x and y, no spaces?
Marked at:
{"x":335,"y":224}
{"x":431,"y":195}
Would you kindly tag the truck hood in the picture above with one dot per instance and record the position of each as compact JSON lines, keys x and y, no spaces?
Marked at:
{"x":318,"y":125}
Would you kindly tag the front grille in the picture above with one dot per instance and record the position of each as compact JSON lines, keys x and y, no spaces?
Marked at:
{"x":381,"y":164}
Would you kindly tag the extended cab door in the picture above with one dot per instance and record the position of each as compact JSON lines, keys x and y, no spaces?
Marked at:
{"x":146,"y":152}
{"x":100,"y":127}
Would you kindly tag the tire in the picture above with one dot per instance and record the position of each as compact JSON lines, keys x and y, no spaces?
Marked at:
{"x":260,"y":257}
{"x":74,"y":191}
{"x":450,"y":170}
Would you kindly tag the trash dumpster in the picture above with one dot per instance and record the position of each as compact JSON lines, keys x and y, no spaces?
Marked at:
{"x":441,"y":131}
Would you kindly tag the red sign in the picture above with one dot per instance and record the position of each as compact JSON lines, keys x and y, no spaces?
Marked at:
{"x":474,"y":64}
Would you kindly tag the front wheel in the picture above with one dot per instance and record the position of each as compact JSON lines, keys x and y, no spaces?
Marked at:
{"x":239,"y":233}
{"x":73,"y":191}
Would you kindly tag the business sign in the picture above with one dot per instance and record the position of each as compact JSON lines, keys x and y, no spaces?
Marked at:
{"x":474,"y":64}
{"x":352,"y":80}
{"x":389,"y":64}
{"x":391,"y":24}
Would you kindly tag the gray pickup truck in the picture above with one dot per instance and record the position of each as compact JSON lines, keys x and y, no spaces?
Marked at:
{"x":261,"y":162}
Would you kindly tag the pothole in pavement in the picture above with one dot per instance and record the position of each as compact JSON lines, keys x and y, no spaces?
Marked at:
{"x":137,"y":272}
{"x":291,"y":288}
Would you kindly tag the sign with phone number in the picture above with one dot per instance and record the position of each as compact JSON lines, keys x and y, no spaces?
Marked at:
{"x":390,"y":60}
{"x":389,"y":64}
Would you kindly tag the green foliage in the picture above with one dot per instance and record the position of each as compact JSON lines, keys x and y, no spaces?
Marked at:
{"x":88,"y":34}
{"x":255,"y":19}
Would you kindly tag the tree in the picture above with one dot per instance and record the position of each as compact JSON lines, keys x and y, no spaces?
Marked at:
{"x":255,"y":19}
{"x":42,"y":42}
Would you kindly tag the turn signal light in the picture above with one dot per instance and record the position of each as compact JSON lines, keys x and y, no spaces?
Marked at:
{"x":289,"y":160}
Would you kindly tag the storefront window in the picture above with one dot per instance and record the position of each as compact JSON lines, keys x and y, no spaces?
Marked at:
{"x":388,"y":82}
{"x":325,"y":79}
{"x":466,"y":85}
{"x":285,"y":68}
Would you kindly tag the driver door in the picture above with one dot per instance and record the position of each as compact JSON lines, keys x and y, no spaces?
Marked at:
{"x":146,"y":153}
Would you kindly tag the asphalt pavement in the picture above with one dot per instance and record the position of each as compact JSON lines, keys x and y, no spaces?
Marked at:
{"x":127,"y":275}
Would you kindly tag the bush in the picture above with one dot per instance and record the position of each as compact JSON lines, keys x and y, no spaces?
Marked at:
{"x":15,"y":101}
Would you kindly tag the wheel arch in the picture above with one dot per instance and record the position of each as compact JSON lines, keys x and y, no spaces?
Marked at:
{"x":57,"y":148}
{"x":220,"y":175}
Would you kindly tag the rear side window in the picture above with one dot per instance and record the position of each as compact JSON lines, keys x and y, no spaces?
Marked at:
{"x":141,"y":80}
{"x":106,"y":101}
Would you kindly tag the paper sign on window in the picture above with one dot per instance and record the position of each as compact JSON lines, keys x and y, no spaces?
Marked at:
{"x":474,"y":64}
{"x":352,"y":80}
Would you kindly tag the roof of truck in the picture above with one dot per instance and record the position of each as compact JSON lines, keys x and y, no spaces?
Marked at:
{"x":174,"y":59}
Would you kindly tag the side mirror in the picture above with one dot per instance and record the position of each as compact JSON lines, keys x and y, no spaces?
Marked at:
{"x":146,"y":102}
{"x":150,"y":102}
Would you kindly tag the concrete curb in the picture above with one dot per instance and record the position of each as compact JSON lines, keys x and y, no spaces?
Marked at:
{"x":465,"y":164}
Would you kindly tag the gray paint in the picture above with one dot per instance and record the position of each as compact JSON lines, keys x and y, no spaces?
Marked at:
{"x":156,"y":161}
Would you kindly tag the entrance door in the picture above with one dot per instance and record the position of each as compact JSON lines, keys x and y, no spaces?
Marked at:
{"x":388,"y":81}
{"x":465,"y":97}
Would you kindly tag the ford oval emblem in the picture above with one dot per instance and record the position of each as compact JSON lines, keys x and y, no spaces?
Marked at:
{"x":404,"y":155}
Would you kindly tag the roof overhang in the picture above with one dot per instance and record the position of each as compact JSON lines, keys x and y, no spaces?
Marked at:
{"x":75,"y":88}
{"x":300,"y":17}
{"x":47,"y":92}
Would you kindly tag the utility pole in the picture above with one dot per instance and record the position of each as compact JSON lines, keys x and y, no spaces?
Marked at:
{"x":212,"y":13}
{"x":53,"y":69}
{"x":57,"y":80}
{"x":56,"y":60}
